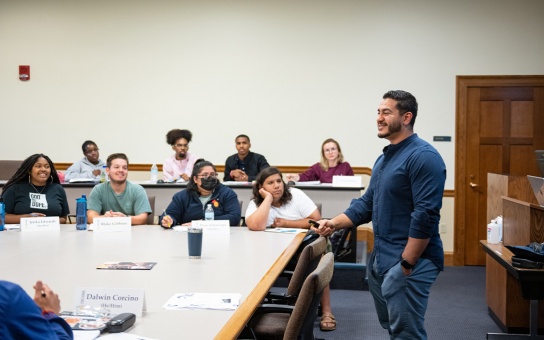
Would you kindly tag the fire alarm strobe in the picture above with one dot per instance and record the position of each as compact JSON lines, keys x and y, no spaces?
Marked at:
{"x":24,"y":72}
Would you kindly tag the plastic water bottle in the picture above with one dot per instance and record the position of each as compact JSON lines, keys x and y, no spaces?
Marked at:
{"x":154,"y":173}
{"x":209,"y":214}
{"x":103,"y":174}
{"x":2,"y":214}
{"x":493,"y":233}
{"x":81,"y":213}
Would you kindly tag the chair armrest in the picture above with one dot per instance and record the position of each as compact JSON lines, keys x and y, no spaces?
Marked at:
{"x":272,"y":308}
{"x":279,"y":298}
{"x":287,"y":273}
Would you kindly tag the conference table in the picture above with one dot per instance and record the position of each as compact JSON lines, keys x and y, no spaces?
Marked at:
{"x":245,"y":262}
{"x":334,"y":199}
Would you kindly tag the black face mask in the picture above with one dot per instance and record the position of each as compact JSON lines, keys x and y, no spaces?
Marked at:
{"x":208,"y":183}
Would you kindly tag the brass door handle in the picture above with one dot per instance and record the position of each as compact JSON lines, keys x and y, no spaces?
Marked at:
{"x":473,"y":185}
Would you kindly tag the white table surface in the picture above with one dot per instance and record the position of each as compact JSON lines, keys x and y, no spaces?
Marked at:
{"x":67,"y":259}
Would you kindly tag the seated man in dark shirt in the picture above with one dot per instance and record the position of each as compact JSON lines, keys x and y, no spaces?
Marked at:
{"x":244,"y":165}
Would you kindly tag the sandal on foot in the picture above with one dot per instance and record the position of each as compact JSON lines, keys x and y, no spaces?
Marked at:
{"x":328,"y":322}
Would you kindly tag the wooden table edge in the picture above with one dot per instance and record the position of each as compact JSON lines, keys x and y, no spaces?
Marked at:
{"x":243,"y":313}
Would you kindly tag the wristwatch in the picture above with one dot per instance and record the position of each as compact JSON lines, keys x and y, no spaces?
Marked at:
{"x":406,"y":264}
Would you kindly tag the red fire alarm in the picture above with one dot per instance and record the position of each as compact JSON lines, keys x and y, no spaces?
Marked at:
{"x":24,"y":72}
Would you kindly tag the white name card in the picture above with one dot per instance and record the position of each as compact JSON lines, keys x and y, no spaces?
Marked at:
{"x":111,"y":224}
{"x":117,"y":300}
{"x":46,"y":223}
{"x":217,"y":227}
{"x":347,"y":181}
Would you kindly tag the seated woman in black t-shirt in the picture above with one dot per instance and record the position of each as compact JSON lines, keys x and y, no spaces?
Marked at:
{"x":35,"y":191}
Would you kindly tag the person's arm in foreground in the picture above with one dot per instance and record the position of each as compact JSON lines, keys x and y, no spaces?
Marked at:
{"x":25,"y":319}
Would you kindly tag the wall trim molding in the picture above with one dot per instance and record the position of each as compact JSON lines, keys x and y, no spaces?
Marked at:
{"x":358,"y":170}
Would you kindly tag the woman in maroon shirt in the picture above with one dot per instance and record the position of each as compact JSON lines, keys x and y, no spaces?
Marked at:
{"x":331,"y":164}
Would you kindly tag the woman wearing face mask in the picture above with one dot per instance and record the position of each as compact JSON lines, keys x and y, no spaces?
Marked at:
{"x":203,"y":188}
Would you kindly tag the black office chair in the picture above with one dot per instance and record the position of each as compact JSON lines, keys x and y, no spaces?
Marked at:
{"x":294,"y":322}
{"x":242,"y":219}
{"x":307,"y":262}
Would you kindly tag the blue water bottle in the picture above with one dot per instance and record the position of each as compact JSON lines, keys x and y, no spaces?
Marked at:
{"x":2,"y":214}
{"x":81,"y":213}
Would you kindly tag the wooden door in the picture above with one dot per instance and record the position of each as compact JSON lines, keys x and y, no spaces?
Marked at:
{"x":499,"y":125}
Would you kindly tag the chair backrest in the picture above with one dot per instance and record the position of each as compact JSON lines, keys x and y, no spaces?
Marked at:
{"x":8,"y":168}
{"x":341,"y":243}
{"x":242,"y":220}
{"x":301,"y":322}
{"x":151,"y":217}
{"x":307,"y":262}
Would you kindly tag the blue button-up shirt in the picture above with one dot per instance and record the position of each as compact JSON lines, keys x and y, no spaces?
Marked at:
{"x":403,"y":200}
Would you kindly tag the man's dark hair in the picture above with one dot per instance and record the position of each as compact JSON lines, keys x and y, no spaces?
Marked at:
{"x":173,"y":135}
{"x":86,"y":144}
{"x":259,"y":180}
{"x":406,"y":102}
{"x":116,"y":156}
{"x":243,"y":136}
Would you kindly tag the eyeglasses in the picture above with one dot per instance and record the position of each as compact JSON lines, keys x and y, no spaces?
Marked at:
{"x":206,"y":175}
{"x":181,"y":145}
{"x":331,"y":150}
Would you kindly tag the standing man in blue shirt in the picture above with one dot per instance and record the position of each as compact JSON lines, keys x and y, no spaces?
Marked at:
{"x":244,"y":165}
{"x":403,"y":202}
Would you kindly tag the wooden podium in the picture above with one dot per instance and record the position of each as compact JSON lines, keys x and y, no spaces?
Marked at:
{"x":523,"y":223}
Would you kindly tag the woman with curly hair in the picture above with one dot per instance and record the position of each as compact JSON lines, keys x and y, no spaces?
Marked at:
{"x":277,"y":206}
{"x":179,"y":166}
{"x":34,"y":190}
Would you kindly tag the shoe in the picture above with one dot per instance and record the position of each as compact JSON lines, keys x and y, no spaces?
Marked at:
{"x":328,"y":322}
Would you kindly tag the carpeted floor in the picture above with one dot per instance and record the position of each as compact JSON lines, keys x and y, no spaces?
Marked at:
{"x":457,"y":310}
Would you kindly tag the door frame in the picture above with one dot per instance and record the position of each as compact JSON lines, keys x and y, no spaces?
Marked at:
{"x":460,"y":185}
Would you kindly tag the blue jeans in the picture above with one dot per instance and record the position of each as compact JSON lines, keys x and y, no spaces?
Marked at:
{"x":401,"y":301}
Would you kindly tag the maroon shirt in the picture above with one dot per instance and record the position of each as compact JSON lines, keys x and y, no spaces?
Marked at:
{"x":315,"y":173}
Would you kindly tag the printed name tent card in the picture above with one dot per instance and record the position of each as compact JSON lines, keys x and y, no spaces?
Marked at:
{"x":117,"y":300}
{"x":347,"y":181}
{"x":111,"y":224}
{"x":217,"y":227}
{"x":46,"y":223}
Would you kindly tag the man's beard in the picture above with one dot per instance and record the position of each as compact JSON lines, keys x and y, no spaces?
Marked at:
{"x":182,"y":155}
{"x":391,"y":128}
{"x":118,"y":182}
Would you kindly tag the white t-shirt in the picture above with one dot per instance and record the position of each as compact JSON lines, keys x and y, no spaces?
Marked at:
{"x":300,"y":206}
